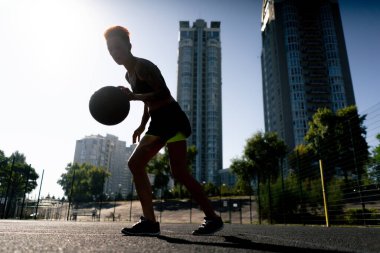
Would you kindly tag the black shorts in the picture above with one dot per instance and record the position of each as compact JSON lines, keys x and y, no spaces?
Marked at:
{"x":169,"y":120}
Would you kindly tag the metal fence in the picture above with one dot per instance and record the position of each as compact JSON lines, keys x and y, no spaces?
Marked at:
{"x":341,"y":189}
{"x":328,"y":188}
{"x":236,"y":210}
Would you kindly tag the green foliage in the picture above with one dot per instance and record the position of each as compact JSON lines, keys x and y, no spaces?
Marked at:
{"x":159,"y":166}
{"x":178,"y":191}
{"x":264,"y":151}
{"x":210,"y":189}
{"x":302,"y":162}
{"x":261,"y":158}
{"x":283,"y":203}
{"x":14,"y":178}
{"x":356,"y":216}
{"x":226,"y":191}
{"x":82,"y":182}
{"x":374,"y":170}
{"x":376,"y":151}
{"x":243,"y":168}
{"x":339,"y":139}
{"x":353,"y":147}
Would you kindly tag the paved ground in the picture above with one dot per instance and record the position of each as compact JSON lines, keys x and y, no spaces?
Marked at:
{"x":66,"y":236}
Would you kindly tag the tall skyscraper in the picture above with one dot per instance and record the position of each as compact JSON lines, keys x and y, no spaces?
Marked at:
{"x":110,"y":153}
{"x":304,"y":64}
{"x":199,"y":93}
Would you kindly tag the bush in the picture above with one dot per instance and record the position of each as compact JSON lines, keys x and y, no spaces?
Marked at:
{"x":356,"y":216}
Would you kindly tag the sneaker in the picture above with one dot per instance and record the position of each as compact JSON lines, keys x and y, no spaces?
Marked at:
{"x":209,"y":226}
{"x":144,"y":227}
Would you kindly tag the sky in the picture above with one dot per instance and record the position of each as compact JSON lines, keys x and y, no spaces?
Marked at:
{"x":53,"y":56}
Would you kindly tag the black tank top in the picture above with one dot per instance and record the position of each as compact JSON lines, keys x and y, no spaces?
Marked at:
{"x":140,"y":87}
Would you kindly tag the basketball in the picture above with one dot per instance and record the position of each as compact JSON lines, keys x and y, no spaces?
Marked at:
{"x":109,"y":105}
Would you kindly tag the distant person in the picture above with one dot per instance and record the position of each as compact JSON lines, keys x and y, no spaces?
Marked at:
{"x":168,"y":126}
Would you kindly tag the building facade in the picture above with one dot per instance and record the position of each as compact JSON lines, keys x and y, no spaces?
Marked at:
{"x":227,"y":178}
{"x":304,"y":64}
{"x":110,"y":153}
{"x":199,"y":93}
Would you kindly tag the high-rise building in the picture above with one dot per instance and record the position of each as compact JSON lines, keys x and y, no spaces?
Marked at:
{"x":304,"y":64}
{"x":110,"y":153}
{"x":199,"y":93}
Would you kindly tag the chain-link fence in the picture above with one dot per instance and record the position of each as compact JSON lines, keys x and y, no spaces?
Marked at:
{"x":339,"y":184}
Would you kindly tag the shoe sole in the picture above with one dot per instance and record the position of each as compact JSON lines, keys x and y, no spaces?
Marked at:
{"x":211,"y":233}
{"x":140,"y":234}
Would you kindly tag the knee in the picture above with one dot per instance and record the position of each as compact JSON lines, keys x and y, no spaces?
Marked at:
{"x":134,"y":165}
{"x":137,"y":161}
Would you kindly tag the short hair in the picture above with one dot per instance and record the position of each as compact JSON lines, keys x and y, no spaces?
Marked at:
{"x":117,"y":31}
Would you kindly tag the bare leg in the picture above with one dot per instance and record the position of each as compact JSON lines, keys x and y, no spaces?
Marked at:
{"x":178,"y":164}
{"x":147,"y":148}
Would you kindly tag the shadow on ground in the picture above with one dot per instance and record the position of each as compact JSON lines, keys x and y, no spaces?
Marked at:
{"x":242,"y":243}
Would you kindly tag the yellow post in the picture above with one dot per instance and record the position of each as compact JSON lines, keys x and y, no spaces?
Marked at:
{"x":324,"y":194}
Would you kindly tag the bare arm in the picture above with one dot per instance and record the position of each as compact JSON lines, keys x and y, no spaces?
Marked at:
{"x":145,"y":117}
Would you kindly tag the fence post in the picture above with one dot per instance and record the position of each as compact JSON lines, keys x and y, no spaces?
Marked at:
{"x":270,"y":201}
{"x":324,"y":194}
{"x":300,"y":186}
{"x":357,"y":177}
{"x":229,"y":210}
{"x":258,"y":198}
{"x":39,"y":193}
{"x":191,"y":208}
{"x":282,"y":190}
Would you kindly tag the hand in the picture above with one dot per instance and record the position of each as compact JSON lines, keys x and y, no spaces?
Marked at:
{"x":137,"y":134}
{"x":128,"y":92}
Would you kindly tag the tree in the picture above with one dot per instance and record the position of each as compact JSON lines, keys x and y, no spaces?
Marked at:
{"x":159,"y":167}
{"x":321,"y":139}
{"x":264,"y":151}
{"x":339,"y":140}
{"x":245,"y":172}
{"x":353,"y":147}
{"x":302,"y":162}
{"x":261,"y":159}
{"x":376,"y":151}
{"x":17,"y":178}
{"x":83,"y":181}
{"x":375,"y":165}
